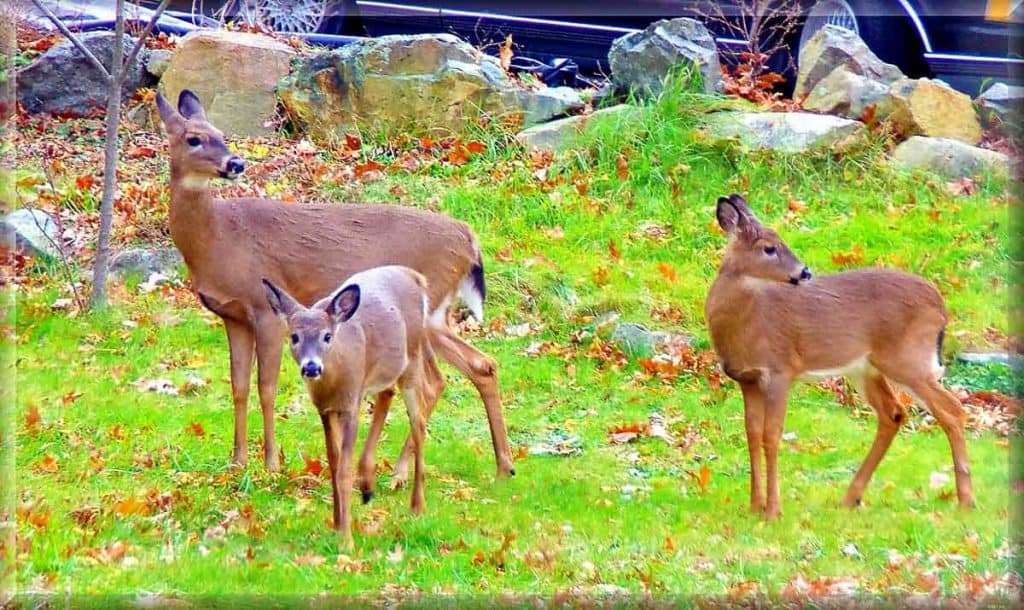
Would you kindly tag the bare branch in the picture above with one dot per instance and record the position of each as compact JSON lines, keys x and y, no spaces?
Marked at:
{"x":123,"y":74}
{"x":74,"y":39}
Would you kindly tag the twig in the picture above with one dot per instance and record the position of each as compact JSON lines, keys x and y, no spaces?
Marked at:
{"x":74,"y":39}
{"x":141,"y":40}
{"x":65,"y":265}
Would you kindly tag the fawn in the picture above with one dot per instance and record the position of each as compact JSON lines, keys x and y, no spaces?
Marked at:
{"x":366,"y":337}
{"x":309,"y":250}
{"x":771,"y":325}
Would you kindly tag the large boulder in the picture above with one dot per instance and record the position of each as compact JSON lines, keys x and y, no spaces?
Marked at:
{"x":642,"y":60}
{"x":1005,"y":101}
{"x":63,"y":80}
{"x":948,"y":157}
{"x":930,"y":108}
{"x":789,"y":132}
{"x":845,"y":93}
{"x":419,"y":83}
{"x":143,"y":262}
{"x":556,"y":135}
{"x":33,"y":233}
{"x":542,"y":105}
{"x":234,"y":74}
{"x":832,"y":47}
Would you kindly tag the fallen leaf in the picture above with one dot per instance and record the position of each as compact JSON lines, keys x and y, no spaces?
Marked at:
{"x":505,"y":53}
{"x":48,"y":465}
{"x":963,"y":186}
{"x":32,"y":418}
{"x":314,"y":466}
{"x":668,"y":272}
{"x":196,"y":428}
{"x":309,"y":560}
{"x":613,"y":251}
{"x":130,"y":506}
{"x":851,"y":257}
{"x":622,"y":167}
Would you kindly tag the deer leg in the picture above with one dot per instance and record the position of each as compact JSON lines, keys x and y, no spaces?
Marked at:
{"x":343,"y":426}
{"x":753,"y":419}
{"x":950,"y":415}
{"x":879,"y":393}
{"x":433,"y":387}
{"x":368,"y":460}
{"x":411,"y":394}
{"x":268,"y":367}
{"x":482,"y":370}
{"x":332,"y":466}
{"x":240,"y":345}
{"x":774,"y":419}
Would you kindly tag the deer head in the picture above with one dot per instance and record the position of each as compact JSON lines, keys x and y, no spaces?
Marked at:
{"x":756,"y":251}
{"x":312,"y":329}
{"x":198,"y":151}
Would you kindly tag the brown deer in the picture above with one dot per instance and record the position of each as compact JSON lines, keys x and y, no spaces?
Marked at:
{"x":308,"y":250}
{"x":366,"y":337}
{"x":772,"y":325}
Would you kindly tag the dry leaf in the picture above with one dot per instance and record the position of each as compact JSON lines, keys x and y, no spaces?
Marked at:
{"x":505,"y":53}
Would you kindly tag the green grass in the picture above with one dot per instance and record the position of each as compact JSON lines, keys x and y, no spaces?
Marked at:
{"x":631,"y":515}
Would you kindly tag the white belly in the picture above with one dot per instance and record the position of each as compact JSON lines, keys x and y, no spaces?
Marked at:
{"x":856,"y":369}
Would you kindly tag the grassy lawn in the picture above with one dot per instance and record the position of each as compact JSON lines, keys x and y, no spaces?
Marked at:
{"x":124,"y":490}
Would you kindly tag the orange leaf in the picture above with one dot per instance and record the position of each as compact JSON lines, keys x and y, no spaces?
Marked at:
{"x":70,"y":397}
{"x":314,"y":466}
{"x":668,"y":272}
{"x":32,"y":418}
{"x":613,"y":250}
{"x":197,"y":429}
{"x":852,"y":257}
{"x":669,"y":545}
{"x":622,"y":167}
{"x":364,"y":168}
{"x":85,"y":182}
{"x":48,"y":464}
{"x":353,"y":142}
{"x":505,"y":53}
{"x":476,"y":147}
{"x":601,"y":276}
{"x":704,"y":477}
{"x":141,"y":151}
{"x":130,"y":506}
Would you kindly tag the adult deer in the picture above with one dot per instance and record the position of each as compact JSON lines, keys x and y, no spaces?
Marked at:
{"x":366,"y":337}
{"x":229,"y":244}
{"x":772,"y":325}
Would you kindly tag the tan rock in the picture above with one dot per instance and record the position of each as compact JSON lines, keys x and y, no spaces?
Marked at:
{"x":235,"y":74}
{"x":832,"y":47}
{"x":931,"y":108}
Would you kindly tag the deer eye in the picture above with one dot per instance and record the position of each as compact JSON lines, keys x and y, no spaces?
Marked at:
{"x":769,"y":250}
{"x":327,"y":337}
{"x":295,"y":339}
{"x":193,"y":141}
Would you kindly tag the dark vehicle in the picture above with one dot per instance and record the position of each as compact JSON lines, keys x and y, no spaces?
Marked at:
{"x":963,"y":42}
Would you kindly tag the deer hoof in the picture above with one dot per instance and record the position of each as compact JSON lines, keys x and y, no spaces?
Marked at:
{"x":367,"y":496}
{"x":397,"y":483}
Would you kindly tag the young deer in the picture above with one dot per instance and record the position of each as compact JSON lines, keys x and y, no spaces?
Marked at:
{"x":368,"y":336}
{"x":309,"y":250}
{"x":771,"y":325}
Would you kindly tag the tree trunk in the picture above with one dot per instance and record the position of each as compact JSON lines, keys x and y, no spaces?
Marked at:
{"x":98,"y":300}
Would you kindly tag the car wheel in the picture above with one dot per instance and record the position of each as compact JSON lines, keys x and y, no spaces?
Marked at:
{"x":292,"y":16}
{"x":884,"y":27}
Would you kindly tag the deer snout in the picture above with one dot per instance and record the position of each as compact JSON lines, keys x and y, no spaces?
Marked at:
{"x":805,"y":274}
{"x":233,"y":167}
{"x":311,"y":369}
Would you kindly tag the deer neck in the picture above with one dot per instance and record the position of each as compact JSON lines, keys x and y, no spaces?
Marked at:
{"x":191,"y":217}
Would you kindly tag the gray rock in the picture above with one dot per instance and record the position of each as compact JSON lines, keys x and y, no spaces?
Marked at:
{"x":545,"y":104}
{"x":948,"y":157}
{"x":790,"y":132}
{"x":845,"y":93}
{"x":640,"y":61}
{"x":33,"y":232}
{"x":63,"y":80}
{"x":989,"y":358}
{"x":144,"y":263}
{"x":832,"y":47}
{"x":637,"y":338}
{"x":556,"y":135}
{"x":158,"y":61}
{"x":1004,"y":100}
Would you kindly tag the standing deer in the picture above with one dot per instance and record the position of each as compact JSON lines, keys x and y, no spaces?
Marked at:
{"x":771,"y":325}
{"x":368,"y":336}
{"x":309,"y":250}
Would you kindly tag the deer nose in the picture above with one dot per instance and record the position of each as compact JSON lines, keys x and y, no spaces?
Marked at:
{"x":805,"y":274}
{"x":235,"y":166}
{"x":311,"y":369}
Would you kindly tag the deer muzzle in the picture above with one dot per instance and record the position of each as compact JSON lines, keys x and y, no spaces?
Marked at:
{"x":233,"y":168}
{"x":805,"y":275}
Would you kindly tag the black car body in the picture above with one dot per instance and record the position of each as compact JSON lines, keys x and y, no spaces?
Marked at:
{"x":963,"y":42}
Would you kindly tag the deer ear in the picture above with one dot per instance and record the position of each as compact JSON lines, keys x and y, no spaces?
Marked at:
{"x":282,"y":303}
{"x":344,"y":304}
{"x":168,"y":115}
{"x":742,"y":207}
{"x":729,"y":217}
{"x":189,"y":105}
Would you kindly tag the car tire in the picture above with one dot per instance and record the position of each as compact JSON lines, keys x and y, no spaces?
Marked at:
{"x":885,"y":28}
